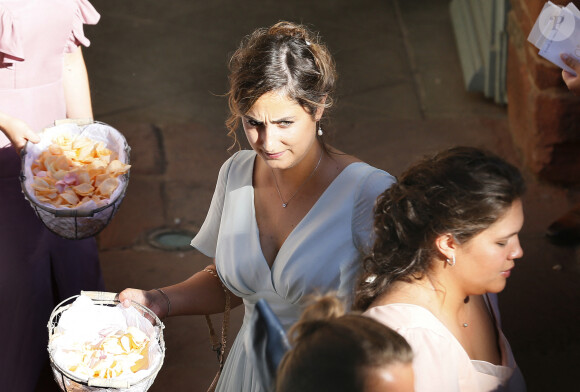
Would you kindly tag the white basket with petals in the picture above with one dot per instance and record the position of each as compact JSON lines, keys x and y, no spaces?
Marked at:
{"x":76,"y":177}
{"x":92,"y":344}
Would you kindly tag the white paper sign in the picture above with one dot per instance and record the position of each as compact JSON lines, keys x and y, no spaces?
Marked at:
{"x":556,"y":32}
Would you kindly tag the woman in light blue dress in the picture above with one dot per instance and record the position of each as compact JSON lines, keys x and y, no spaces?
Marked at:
{"x":290,"y":217}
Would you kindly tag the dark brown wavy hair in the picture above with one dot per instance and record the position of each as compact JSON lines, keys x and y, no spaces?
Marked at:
{"x":460,"y":191}
{"x":334,"y":351}
{"x":285,"y":57}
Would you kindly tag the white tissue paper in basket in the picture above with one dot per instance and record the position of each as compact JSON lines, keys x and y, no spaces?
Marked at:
{"x":81,"y":227}
{"x":86,"y":322}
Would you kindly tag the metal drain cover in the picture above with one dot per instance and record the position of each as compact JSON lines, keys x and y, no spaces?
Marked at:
{"x":177,"y":239}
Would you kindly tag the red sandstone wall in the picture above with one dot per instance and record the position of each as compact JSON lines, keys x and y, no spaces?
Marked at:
{"x":544,"y":116}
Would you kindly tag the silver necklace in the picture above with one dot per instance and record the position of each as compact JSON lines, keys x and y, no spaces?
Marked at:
{"x":285,"y":203}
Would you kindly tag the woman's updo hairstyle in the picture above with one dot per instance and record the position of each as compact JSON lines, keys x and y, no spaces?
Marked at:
{"x":460,"y":191}
{"x":334,"y":351}
{"x":287,"y":58}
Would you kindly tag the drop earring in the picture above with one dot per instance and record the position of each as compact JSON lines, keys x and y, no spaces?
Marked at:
{"x":319,"y":132}
{"x":451,"y":262}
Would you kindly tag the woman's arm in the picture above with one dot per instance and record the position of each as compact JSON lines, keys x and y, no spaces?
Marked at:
{"x":200,"y":294}
{"x":77,"y":93}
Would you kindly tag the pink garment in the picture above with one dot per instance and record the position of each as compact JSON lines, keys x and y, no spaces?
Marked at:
{"x":38,"y":269}
{"x":440,"y":363}
{"x":31,"y":67}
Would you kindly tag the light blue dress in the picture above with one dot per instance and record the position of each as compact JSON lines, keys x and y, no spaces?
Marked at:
{"x":322,"y":253}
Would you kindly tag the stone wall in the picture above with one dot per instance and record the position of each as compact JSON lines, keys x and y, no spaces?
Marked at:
{"x":544,"y":116}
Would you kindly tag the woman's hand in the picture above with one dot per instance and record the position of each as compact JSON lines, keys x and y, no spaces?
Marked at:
{"x":17,"y":131}
{"x":151,"y":299}
{"x":573,"y":82}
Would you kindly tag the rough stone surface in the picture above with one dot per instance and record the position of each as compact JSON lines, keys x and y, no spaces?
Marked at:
{"x":147,"y":148}
{"x":544,"y":73}
{"x":142,"y":210}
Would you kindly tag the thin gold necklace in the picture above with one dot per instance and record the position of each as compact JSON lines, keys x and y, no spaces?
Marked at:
{"x":285,"y":203}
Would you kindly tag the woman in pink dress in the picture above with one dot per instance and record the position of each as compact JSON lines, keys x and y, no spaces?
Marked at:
{"x":42,"y":79}
{"x":447,"y":240}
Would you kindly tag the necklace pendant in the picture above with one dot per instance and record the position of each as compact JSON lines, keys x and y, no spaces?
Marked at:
{"x":284,"y":205}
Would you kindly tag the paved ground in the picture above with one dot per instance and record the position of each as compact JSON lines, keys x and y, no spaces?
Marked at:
{"x":158,"y":73}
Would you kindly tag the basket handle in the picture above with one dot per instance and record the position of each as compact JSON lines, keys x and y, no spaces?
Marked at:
{"x":107,"y":296}
{"x":100,"y":295}
{"x":78,"y":121}
{"x":108,"y":383}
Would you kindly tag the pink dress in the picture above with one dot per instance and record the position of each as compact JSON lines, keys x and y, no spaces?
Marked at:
{"x":440,"y":363}
{"x":38,"y":269}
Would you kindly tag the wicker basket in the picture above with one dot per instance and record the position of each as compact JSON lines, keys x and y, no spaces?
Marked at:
{"x":69,"y":382}
{"x":76,"y":224}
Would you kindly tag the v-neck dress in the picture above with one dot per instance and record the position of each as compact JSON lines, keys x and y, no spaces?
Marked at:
{"x":323,"y":253}
{"x":440,"y":363}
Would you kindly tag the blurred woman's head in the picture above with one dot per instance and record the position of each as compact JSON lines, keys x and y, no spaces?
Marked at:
{"x":337,"y":352}
{"x":439,"y":209}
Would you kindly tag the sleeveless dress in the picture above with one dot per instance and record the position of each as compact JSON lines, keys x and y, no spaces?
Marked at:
{"x":440,"y":363}
{"x":38,"y":269}
{"x":324,"y":251}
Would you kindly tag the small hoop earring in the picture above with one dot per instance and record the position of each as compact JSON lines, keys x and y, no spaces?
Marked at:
{"x":320,"y":132}
{"x":451,"y":262}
